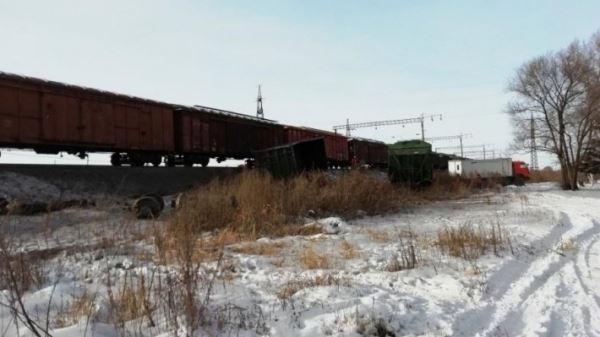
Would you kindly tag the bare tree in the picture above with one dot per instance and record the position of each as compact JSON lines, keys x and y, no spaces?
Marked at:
{"x":591,"y":157}
{"x":560,"y":92}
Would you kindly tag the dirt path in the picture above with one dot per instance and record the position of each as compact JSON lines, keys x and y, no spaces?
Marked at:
{"x":553,"y":289}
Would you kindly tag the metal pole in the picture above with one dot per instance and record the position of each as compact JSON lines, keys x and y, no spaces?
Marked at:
{"x":461,"y":145}
{"x":347,"y":127}
{"x":422,"y":127}
{"x":484,"y":152}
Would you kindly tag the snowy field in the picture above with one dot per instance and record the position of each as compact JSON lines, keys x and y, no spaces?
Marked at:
{"x":544,"y":282}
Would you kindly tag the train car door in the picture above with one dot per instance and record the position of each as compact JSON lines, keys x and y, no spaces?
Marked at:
{"x":96,"y":123}
{"x":60,"y":118}
{"x":217,"y":137}
{"x":146,"y":132}
{"x":29,"y":110}
{"x":9,"y":121}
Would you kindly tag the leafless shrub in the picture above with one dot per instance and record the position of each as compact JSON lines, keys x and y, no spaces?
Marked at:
{"x":407,"y":256}
{"x":81,"y":305}
{"x":18,"y":274}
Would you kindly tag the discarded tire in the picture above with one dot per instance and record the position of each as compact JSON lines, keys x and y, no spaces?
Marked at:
{"x":146,"y":208}
{"x":156,"y":197}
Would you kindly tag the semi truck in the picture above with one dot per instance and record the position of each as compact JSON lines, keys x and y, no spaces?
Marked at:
{"x":511,"y":172}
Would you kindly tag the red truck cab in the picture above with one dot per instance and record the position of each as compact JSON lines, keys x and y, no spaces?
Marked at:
{"x":520,"y":169}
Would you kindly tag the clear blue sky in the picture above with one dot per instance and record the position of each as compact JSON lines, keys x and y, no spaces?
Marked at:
{"x":319,"y":62}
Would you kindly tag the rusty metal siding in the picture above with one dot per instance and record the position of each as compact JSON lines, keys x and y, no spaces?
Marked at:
{"x":9,"y":123}
{"x":336,"y":146}
{"x":368,"y":152}
{"x":97,"y":119}
{"x":60,"y":119}
{"x":37,"y":113}
{"x":200,"y":132}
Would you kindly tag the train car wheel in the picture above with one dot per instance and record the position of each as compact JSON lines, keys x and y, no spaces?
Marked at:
{"x":170,"y":161}
{"x":156,"y":161}
{"x":115,"y":159}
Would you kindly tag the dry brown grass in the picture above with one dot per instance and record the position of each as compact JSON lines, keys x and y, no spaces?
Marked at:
{"x":82,"y":305}
{"x":348,"y":250}
{"x":255,"y":204}
{"x":379,"y":235}
{"x":20,"y":271}
{"x":262,"y":248}
{"x":292,"y":287}
{"x":132,"y":299}
{"x":470,"y":242}
{"x":545,"y":175}
{"x":445,"y":187}
{"x":310,"y":259}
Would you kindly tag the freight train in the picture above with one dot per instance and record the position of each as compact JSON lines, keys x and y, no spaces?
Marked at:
{"x":52,"y":117}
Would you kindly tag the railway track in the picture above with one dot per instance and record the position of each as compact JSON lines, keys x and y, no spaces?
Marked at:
{"x":117,"y":181}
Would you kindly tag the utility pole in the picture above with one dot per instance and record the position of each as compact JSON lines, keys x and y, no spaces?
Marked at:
{"x":347,"y":127}
{"x":422,"y":127}
{"x":534,"y":158}
{"x":259,"y":105}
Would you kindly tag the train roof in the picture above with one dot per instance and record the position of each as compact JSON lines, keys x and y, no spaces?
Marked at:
{"x":41,"y":81}
{"x":38,"y":81}
{"x":366,"y":140}
{"x":229,"y":113}
{"x":314,"y":130}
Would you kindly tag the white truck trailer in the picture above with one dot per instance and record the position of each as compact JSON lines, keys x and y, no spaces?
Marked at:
{"x":486,"y":168}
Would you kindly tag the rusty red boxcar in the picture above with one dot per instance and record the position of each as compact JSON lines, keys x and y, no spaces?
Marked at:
{"x":368,"y":152}
{"x":50,"y":117}
{"x":336,"y":145}
{"x":203,"y":132}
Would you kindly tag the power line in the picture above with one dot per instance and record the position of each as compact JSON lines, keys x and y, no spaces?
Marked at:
{"x":348,"y":127}
{"x":459,"y":137}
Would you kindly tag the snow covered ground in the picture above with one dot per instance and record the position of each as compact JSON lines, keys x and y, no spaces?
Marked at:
{"x":545,"y":283}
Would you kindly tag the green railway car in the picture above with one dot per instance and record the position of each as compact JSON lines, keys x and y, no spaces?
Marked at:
{"x":413,"y":163}
{"x":292,"y":159}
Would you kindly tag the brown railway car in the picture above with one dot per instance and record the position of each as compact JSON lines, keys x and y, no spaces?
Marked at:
{"x":368,"y":152}
{"x":336,"y":145}
{"x":203,"y":132}
{"x":50,"y":117}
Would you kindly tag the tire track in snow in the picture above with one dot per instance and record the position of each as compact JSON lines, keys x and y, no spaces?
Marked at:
{"x":523,"y":294}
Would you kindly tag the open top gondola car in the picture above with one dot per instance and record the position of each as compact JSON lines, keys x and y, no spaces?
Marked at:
{"x":336,"y":146}
{"x":368,"y":152}
{"x":50,"y":117}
